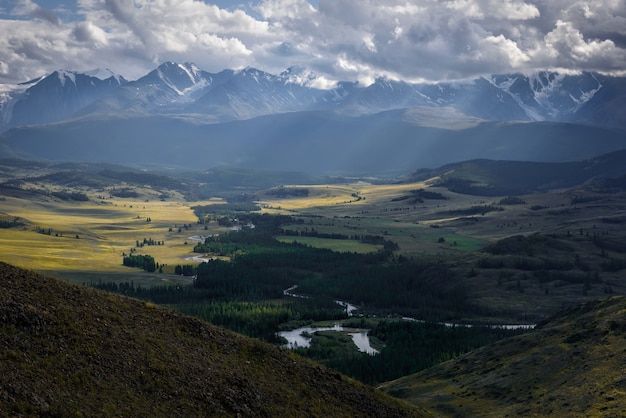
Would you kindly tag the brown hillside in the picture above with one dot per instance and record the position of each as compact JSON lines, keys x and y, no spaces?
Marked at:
{"x":570,"y":366}
{"x":67,"y":350}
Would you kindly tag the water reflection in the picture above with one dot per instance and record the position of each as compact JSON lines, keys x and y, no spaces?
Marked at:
{"x":300,"y":337}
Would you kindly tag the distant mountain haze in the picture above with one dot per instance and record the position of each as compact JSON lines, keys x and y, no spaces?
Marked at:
{"x":174,"y":88}
{"x":181,"y":115}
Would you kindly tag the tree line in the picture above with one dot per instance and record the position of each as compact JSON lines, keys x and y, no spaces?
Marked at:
{"x":246,"y":296}
{"x":145,"y":262}
{"x":409,"y":347}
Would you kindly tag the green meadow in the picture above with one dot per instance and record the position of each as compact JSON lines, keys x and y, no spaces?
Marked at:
{"x":85,"y":241}
{"x":58,"y":235}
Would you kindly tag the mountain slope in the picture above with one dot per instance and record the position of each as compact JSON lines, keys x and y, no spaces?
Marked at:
{"x":549,"y":95}
{"x":250,"y":93}
{"x":187,"y":91}
{"x":57,"y":97}
{"x":570,"y":365}
{"x":166,"y":89}
{"x":499,"y":178}
{"x":67,"y":350}
{"x":395,"y":142}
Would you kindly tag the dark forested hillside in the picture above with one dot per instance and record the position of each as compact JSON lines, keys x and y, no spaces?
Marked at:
{"x":499,"y":178}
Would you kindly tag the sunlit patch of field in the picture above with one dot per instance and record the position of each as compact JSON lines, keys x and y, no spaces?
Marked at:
{"x":319,"y":196}
{"x":371,"y":209}
{"x":337,"y":196}
{"x":385,"y":192}
{"x":93,"y":235}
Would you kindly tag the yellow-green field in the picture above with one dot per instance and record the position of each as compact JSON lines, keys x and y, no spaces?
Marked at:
{"x":93,"y":235}
{"x":363,"y":208}
{"x":338,"y":197}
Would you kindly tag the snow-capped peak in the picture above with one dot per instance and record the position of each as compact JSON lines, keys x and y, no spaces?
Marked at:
{"x":298,"y":75}
{"x":506,"y":83}
{"x":185,"y":79}
{"x":191,"y":70}
{"x":102,"y":74}
{"x":585,"y":96}
{"x":544,"y":85}
{"x":257,"y":75}
{"x":63,"y":75}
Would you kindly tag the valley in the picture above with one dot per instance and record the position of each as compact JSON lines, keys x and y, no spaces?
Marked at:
{"x":454,"y":257}
{"x":285,"y":208}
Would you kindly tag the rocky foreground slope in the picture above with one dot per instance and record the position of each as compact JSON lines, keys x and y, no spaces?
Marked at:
{"x":571,"y":365}
{"x":67,"y":350}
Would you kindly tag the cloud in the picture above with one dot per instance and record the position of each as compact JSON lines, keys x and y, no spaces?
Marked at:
{"x":337,"y":39}
{"x":184,"y":30}
{"x":87,"y":32}
{"x":568,"y":48}
{"x":29,"y":8}
{"x":507,"y":9}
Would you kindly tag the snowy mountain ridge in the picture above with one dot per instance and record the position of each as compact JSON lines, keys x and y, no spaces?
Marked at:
{"x":185,"y":89}
{"x":548,"y":95}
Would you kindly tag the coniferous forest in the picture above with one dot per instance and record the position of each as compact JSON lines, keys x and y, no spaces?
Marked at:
{"x":247,"y":295}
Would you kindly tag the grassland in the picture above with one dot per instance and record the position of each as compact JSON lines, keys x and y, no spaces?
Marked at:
{"x":365,"y":208}
{"x":516,"y":262}
{"x":457,"y":229}
{"x":93,"y":235}
{"x":439,"y":225}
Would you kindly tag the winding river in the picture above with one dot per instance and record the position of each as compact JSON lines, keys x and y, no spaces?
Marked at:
{"x":300,"y":337}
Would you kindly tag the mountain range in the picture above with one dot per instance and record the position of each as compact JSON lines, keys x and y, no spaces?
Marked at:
{"x":179,"y":114}
{"x":185,"y":89}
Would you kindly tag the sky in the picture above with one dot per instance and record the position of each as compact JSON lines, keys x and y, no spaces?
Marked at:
{"x":351,"y":40}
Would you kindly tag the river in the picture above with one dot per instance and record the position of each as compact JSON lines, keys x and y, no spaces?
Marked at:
{"x":298,"y":337}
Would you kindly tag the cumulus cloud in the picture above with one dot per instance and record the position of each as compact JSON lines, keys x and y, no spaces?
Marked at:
{"x":568,"y":47}
{"x":336,"y":39}
{"x":507,"y":9}
{"x":29,"y":8}
{"x":87,"y":32}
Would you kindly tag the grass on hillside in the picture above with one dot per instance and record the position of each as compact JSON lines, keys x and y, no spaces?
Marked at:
{"x":338,"y":198}
{"x":572,"y":365}
{"x":68,"y":350}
